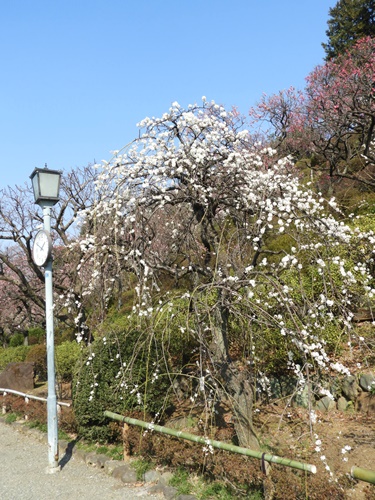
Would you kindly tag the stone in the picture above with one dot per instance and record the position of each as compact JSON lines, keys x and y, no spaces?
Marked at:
{"x":120,"y":470}
{"x":366,"y":403}
{"x":367,"y":382}
{"x":350,"y":388}
{"x":90,"y":458}
{"x":152,"y":476}
{"x":129,"y":476}
{"x":79,"y":453}
{"x":302,"y":398}
{"x":342,"y":404}
{"x":169,"y":492}
{"x":111,"y":465}
{"x":18,"y":376}
{"x":166,"y":477}
{"x":325,"y":404}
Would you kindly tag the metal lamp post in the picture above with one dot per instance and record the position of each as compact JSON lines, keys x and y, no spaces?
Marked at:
{"x":46,"y":185}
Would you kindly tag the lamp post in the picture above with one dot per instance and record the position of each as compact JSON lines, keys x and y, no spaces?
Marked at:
{"x":46,"y":185}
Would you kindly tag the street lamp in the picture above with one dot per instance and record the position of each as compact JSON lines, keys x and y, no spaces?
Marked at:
{"x":46,"y":185}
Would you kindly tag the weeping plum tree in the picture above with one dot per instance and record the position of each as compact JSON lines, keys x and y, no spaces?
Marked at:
{"x":202,"y":217}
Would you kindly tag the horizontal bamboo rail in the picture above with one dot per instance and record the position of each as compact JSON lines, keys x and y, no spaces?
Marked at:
{"x":211,"y":442}
{"x":363,"y":474}
{"x":29,"y":396}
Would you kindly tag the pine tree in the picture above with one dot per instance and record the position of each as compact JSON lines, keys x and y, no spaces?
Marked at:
{"x":349,"y":21}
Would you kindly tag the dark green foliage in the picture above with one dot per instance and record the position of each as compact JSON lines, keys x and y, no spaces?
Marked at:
{"x":118,"y":373}
{"x":16,"y":340}
{"x":349,"y":21}
{"x":36,"y":335}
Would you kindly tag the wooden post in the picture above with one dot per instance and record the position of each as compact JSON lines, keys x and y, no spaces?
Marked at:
{"x":126,"y":444}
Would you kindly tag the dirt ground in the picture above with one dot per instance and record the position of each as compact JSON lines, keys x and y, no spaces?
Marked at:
{"x":335,"y":443}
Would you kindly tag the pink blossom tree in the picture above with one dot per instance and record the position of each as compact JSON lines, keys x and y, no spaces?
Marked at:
{"x":333,"y":119}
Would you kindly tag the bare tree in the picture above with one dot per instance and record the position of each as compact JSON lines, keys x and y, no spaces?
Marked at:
{"x":21,"y":280}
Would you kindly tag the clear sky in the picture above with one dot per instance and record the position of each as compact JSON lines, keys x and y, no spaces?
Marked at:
{"x":77,"y":75}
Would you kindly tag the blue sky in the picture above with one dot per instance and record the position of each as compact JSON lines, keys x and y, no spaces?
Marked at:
{"x":77,"y":75}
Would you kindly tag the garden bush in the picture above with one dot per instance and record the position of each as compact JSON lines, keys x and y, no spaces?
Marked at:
{"x":16,"y":340}
{"x":121,"y":372}
{"x":67,"y":355}
{"x":13,"y":355}
{"x":37,"y":335}
{"x":38,"y":355}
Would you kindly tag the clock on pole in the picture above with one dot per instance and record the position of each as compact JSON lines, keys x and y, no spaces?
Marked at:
{"x":42,"y":248}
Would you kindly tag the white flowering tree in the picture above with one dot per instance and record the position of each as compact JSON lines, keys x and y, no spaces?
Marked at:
{"x":202,"y":220}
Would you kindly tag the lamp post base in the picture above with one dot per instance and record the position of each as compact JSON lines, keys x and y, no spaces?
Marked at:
{"x":53,"y":470}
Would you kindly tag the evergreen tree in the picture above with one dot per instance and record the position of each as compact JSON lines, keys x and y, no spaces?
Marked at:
{"x":349,"y":21}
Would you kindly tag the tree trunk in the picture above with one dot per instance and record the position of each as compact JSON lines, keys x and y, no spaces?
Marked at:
{"x":236,"y":382}
{"x":240,"y":395}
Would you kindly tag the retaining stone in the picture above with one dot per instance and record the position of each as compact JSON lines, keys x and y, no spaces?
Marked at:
{"x":169,"y":492}
{"x":367,"y":381}
{"x":129,"y":476}
{"x":152,"y":476}
{"x":342,"y":404}
{"x":111,"y":465}
{"x":350,"y":388}
{"x":326,"y":404}
{"x":120,"y":470}
{"x":78,"y":453}
{"x":166,"y":477}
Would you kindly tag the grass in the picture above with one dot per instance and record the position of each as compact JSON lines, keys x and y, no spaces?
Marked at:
{"x":10,"y":418}
{"x":141,"y":466}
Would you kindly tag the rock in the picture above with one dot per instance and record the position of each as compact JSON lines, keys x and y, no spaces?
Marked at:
{"x":366,"y":403}
{"x":186,"y":497}
{"x":129,"y":476}
{"x":100,"y":461}
{"x":166,"y":477}
{"x":367,"y":382}
{"x":326,"y":404}
{"x":18,"y":376}
{"x":169,"y":492}
{"x":302,"y":398}
{"x":342,"y":404}
{"x":120,"y":470}
{"x":111,"y":465}
{"x":90,"y":458}
{"x":350,"y":388}
{"x":156,"y":489}
{"x":152,"y":476}
{"x":282,"y":386}
{"x":79,"y":453}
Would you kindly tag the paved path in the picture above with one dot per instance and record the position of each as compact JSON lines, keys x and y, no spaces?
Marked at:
{"x":23,"y":463}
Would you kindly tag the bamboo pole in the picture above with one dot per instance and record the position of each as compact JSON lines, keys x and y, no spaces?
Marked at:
{"x":363,"y":474}
{"x":211,"y":442}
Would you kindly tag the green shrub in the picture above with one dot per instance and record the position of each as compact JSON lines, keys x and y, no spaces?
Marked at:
{"x":16,"y":340}
{"x":13,"y":355}
{"x":119,"y":374}
{"x":67,"y":355}
{"x":36,"y":335}
{"x":38,"y":355}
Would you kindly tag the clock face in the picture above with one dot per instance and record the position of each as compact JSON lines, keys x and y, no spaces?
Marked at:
{"x":42,"y":248}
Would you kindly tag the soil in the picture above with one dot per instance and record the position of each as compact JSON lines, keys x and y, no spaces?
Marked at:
{"x":288,"y":434}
